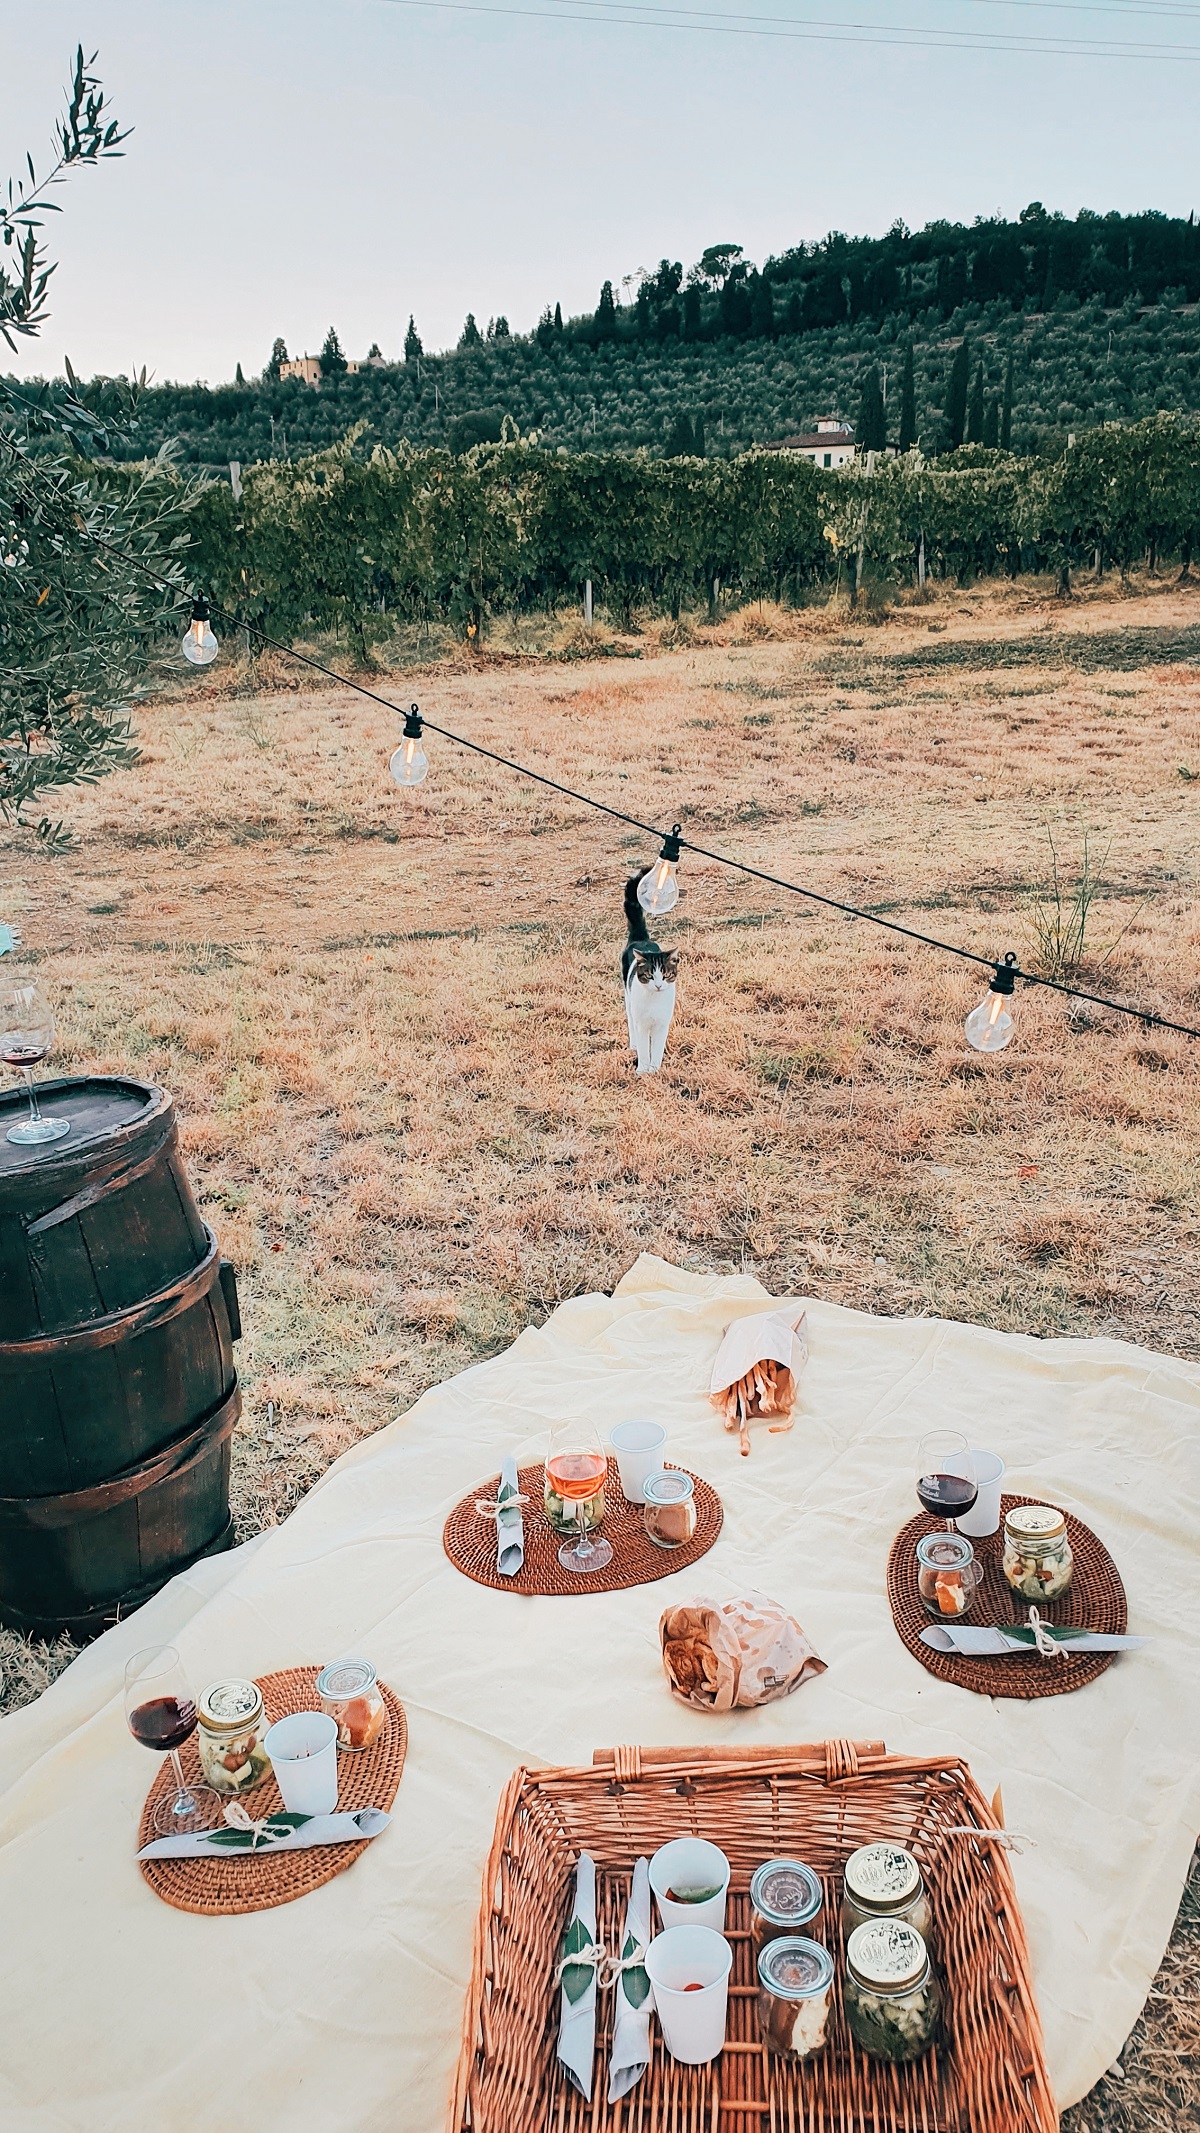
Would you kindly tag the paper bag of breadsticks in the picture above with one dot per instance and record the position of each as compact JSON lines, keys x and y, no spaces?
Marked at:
{"x":730,"y":1656}
{"x":756,"y":1369}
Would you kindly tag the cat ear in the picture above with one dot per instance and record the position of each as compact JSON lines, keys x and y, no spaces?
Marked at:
{"x":670,"y":963}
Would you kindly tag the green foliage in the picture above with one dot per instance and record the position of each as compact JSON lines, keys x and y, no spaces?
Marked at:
{"x":956,"y":395}
{"x":872,"y":422}
{"x":480,"y":425}
{"x":470,"y":337}
{"x":908,"y":403}
{"x":412,"y":341}
{"x":333,"y":362}
{"x":85,"y":134}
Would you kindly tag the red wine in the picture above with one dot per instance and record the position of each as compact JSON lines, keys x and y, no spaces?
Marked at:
{"x":23,"y":1055}
{"x":946,"y":1495}
{"x":165,"y":1722}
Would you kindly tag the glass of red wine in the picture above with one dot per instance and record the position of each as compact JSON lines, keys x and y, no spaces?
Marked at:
{"x":160,"y":1711}
{"x":26,"y":1035}
{"x":946,"y":1484}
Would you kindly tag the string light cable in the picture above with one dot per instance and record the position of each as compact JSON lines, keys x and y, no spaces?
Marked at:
{"x":985,"y":1025}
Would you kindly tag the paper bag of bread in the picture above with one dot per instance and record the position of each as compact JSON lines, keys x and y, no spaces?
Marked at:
{"x":728,"y":1656}
{"x":756,"y":1369}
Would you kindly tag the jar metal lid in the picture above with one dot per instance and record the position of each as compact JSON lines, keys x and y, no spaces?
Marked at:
{"x":881,"y":1876}
{"x":785,"y":1892}
{"x":669,"y":1486}
{"x":944,"y":1551}
{"x":887,"y":1955}
{"x":345,"y":1678}
{"x":795,"y":1969}
{"x":1037,"y":1522}
{"x":230,"y":1706}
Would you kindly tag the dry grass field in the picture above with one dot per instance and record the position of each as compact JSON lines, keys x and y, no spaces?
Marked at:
{"x":394,"y":1029}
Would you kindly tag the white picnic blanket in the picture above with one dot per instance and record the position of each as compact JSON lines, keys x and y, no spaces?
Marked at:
{"x":343,"y":2010}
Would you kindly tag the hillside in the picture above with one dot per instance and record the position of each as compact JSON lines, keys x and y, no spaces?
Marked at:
{"x":1099,"y":315}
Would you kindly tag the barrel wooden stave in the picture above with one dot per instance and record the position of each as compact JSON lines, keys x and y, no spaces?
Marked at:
{"x":91,"y":1223}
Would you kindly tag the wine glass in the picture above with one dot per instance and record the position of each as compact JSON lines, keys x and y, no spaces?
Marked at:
{"x":946,"y":1484}
{"x":26,"y":1035}
{"x":576,"y":1471}
{"x":160,"y":1712}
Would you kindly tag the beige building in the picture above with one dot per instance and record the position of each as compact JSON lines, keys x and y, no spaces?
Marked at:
{"x":830,"y":444}
{"x":307,"y":368}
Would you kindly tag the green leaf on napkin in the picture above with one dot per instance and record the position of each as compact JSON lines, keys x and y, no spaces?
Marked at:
{"x":1024,"y":1635}
{"x":635,"y":1983}
{"x":577,"y":1976}
{"x":242,"y":1840}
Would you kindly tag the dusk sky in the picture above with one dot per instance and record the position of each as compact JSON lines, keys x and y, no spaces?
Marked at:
{"x":296,"y":165}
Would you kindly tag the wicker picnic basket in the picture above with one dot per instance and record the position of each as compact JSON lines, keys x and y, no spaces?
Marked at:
{"x":818,"y":1803}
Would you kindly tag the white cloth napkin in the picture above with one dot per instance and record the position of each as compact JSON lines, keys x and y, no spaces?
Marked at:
{"x":1010,"y":1643}
{"x":510,"y":1526}
{"x":580,"y":1958}
{"x":635,"y":1996}
{"x":277,"y":1833}
{"x":779,"y":1334}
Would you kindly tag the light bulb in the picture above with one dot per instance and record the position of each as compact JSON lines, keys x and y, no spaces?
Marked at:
{"x":410,"y":764}
{"x":199,"y":644}
{"x":658,"y":889}
{"x":990,"y":1026}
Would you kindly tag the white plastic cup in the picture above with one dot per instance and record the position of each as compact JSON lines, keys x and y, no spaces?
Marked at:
{"x":692,"y":2023}
{"x":639,"y":1452}
{"x":984,"y":1515}
{"x":303,"y":1752}
{"x":690,"y":1863}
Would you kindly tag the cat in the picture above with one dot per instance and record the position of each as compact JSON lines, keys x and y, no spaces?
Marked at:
{"x":648,"y":975}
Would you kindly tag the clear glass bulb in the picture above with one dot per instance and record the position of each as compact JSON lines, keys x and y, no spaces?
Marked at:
{"x":658,"y":891}
{"x":199,"y":645}
{"x":410,"y":764}
{"x":989,"y":1026}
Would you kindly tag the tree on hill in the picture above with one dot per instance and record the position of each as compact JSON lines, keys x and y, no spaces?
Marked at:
{"x":1007,"y":406}
{"x":991,"y":422}
{"x":872,"y":422}
{"x":238,"y":377}
{"x":975,"y":411}
{"x":481,"y":425}
{"x":279,"y":355}
{"x":606,"y":314}
{"x":78,"y":612}
{"x":956,"y":395}
{"x":558,"y":324}
{"x":332,"y":361}
{"x":908,"y":403}
{"x":762,"y":309}
{"x":681,"y":438}
{"x":412,"y":342}
{"x":717,"y":263}
{"x":470,"y":337}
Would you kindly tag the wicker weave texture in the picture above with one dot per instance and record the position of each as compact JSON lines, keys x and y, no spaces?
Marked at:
{"x":225,"y":1886}
{"x":470,"y":1540}
{"x":1094,"y":1599}
{"x":988,"y":2075}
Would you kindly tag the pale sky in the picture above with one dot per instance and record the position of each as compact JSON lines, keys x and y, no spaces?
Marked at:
{"x":296,"y":165}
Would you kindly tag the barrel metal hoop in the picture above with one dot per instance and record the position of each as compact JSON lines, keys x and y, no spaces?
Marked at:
{"x":47,"y":1512}
{"x":155,"y":1310}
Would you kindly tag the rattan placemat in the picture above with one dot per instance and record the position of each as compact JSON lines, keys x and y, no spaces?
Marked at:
{"x":222,"y":1887}
{"x":470,"y":1540}
{"x":1094,"y":1599}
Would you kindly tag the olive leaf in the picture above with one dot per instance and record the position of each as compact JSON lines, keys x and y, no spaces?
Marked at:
{"x":576,"y":1977}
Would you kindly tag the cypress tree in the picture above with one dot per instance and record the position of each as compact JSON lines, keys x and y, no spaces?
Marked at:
{"x":975,"y":408}
{"x":606,"y":314}
{"x":991,"y":422}
{"x":470,"y":337}
{"x":558,"y":324}
{"x":1006,"y":408}
{"x":698,"y":437}
{"x":680,"y":439}
{"x":412,"y":342}
{"x":908,"y":403}
{"x":956,"y":395}
{"x":762,"y":309}
{"x":872,"y":426}
{"x":793,"y":316}
{"x":332,"y":360}
{"x":691,"y":312}
{"x":238,"y":379}
{"x":279,"y":355}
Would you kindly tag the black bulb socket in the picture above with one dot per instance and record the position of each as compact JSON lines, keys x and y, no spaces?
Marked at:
{"x":670,"y":848}
{"x":201,"y":611}
{"x":1006,"y":975}
{"x":413,"y":728}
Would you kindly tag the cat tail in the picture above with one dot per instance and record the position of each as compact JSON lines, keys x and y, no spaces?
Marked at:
{"x":634,"y":914}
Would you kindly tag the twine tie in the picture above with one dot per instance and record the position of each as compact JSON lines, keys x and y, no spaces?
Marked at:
{"x":1045,"y":1643}
{"x":613,"y":1967}
{"x":593,"y":1957}
{"x":238,"y":1818}
{"x":494,"y":1507}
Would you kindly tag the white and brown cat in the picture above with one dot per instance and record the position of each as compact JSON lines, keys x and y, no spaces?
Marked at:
{"x":648,"y":975}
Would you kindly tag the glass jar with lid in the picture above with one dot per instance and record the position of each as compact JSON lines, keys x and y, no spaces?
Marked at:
{"x":669,"y":1514}
{"x":350,"y":1695}
{"x":795,"y":1981}
{"x":1037,"y":1557}
{"x":947,"y":1574}
{"x":884,"y":1881}
{"x":785,"y":1895}
{"x":891,"y":1996}
{"x":231,"y":1725}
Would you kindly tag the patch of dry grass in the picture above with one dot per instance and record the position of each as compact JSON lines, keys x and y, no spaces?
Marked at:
{"x":393,"y":1023}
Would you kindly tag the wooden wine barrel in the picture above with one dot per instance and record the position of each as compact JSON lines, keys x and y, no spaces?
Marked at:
{"x":118,"y":1393}
{"x":96,"y":1221}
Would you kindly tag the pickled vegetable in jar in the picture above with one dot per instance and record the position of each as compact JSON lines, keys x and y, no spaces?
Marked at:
{"x":795,"y":1980}
{"x":1037,"y":1559}
{"x":229,"y":1736}
{"x":884,"y":1881}
{"x":568,"y":1517}
{"x":784,"y":1896}
{"x":669,"y":1514}
{"x":947,"y":1575}
{"x":351,"y":1696}
{"x":891,"y":1996}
